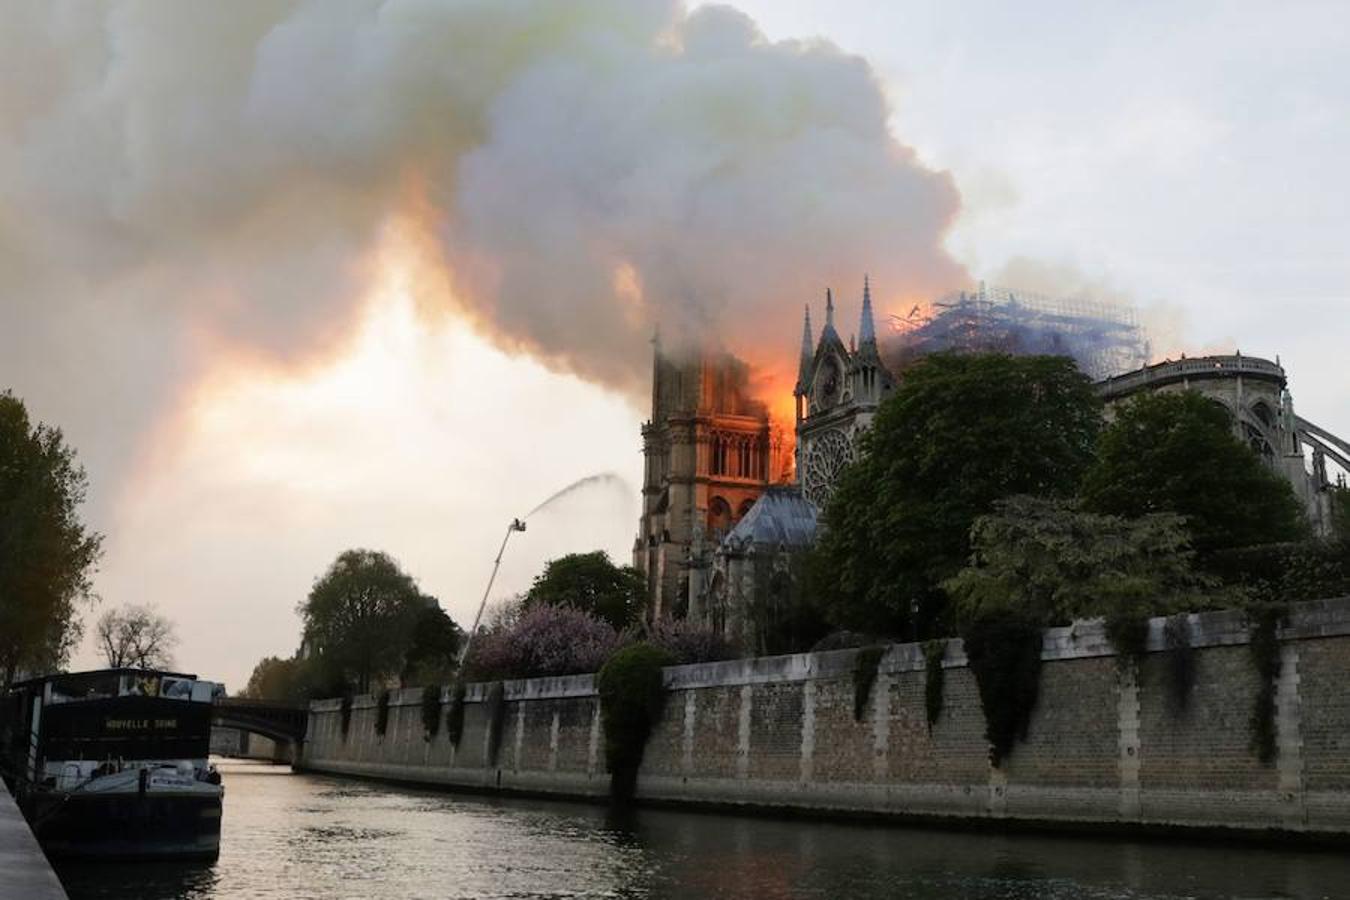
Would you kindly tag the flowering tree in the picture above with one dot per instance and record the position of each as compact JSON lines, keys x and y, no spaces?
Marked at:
{"x":544,"y":640}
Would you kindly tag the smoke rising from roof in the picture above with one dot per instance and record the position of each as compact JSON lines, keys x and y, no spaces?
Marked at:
{"x":180,"y":178}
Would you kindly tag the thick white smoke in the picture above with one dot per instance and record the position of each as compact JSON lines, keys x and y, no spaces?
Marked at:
{"x":587,"y":169}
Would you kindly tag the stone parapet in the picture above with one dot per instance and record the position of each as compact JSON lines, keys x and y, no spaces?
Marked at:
{"x":1110,"y":744}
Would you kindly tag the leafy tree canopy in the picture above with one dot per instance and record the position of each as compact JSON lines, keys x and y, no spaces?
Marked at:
{"x":295,"y":679}
{"x":1051,"y":562}
{"x":46,"y":555}
{"x":274,"y":678}
{"x":434,"y":651}
{"x":592,"y":583}
{"x":1176,"y":452}
{"x":960,"y":432}
{"x":361,"y":615}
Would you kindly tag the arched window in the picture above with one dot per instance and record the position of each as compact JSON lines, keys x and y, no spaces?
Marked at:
{"x":719,"y":517}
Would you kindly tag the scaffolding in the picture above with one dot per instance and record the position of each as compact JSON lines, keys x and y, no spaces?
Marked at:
{"x":1103,"y":339}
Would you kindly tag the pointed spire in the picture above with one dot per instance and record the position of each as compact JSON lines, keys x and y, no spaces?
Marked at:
{"x":808,"y":351}
{"x":829,"y":310}
{"x":867,"y":329}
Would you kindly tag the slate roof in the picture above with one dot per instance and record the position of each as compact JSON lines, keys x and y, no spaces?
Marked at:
{"x":781,"y":516}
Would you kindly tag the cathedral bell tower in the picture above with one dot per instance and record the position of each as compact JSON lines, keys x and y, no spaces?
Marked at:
{"x":838,"y":391}
{"x":707,"y":457}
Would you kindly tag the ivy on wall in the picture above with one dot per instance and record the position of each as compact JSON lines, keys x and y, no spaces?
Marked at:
{"x":382,"y":713}
{"x":934,"y":678}
{"x":345,"y":711}
{"x":1265,"y":620}
{"x":454,"y":717}
{"x":496,"y":709}
{"x":1004,"y":650}
{"x":865,"y":666}
{"x":1180,"y":661}
{"x":431,"y":710}
{"x":632,"y":696}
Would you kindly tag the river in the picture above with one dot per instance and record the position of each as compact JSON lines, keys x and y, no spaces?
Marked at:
{"x":305,"y":836}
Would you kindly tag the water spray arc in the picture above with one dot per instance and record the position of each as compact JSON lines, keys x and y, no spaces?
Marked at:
{"x":519,"y":525}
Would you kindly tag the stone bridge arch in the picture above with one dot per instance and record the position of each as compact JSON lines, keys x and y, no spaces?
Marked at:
{"x":283,"y":723}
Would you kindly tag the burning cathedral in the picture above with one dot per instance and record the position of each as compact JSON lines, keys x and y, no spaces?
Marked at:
{"x":726,"y":507}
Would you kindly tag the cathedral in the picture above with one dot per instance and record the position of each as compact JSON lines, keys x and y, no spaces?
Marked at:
{"x":722,"y":511}
{"x":725,"y":514}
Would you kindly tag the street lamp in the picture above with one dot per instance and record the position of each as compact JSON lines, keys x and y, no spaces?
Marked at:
{"x":516,"y":525}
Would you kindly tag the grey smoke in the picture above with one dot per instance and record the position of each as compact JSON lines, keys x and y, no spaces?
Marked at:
{"x":175,"y":170}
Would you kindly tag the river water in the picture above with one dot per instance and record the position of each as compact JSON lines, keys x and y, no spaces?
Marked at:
{"x":306,"y":836}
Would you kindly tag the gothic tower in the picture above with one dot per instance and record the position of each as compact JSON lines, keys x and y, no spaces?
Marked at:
{"x":838,"y":392}
{"x":708,"y":456}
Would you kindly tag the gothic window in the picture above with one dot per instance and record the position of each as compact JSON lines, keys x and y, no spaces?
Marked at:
{"x":1258,"y":442}
{"x":745,"y":508}
{"x":719,"y":517}
{"x":719,"y":455}
{"x":825,"y":456}
{"x":743,"y":451}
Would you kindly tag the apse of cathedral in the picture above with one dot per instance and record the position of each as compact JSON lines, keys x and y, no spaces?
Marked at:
{"x":721,"y":519}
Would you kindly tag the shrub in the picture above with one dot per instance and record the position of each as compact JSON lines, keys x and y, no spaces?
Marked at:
{"x":934,"y":678}
{"x":382,"y":713}
{"x":1004,"y":650}
{"x":454,"y":717}
{"x":1265,"y":619}
{"x":544,"y":640}
{"x":689,"y":642}
{"x":345,"y":710}
{"x":1287,"y":573}
{"x":1180,"y":660}
{"x":431,"y":710}
{"x":632,"y":695}
{"x":865,"y":666}
{"x":1127,"y":629}
{"x":496,"y":716}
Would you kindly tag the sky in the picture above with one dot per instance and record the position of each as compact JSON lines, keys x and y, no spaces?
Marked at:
{"x":294,"y":278}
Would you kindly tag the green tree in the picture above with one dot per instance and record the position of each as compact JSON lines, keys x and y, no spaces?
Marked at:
{"x":592,"y":583}
{"x":1050,"y":562}
{"x":434,"y":651}
{"x":274,"y":678}
{"x":1176,"y":452}
{"x":47,"y":557}
{"x":360,"y":616}
{"x":960,"y":432}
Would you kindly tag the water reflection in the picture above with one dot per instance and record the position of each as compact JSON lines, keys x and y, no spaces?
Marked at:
{"x":300,"y":836}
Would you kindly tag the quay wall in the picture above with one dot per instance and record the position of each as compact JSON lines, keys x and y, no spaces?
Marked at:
{"x":1108,"y":744}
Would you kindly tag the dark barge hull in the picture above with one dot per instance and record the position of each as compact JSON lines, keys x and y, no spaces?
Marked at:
{"x":126,"y":826}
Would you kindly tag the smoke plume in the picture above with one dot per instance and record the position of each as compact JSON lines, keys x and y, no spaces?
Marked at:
{"x":181,"y":179}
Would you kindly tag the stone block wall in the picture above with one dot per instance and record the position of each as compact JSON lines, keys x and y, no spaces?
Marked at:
{"x":1109,"y":743}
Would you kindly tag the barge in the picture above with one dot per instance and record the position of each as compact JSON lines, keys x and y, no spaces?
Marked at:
{"x":113,"y":764}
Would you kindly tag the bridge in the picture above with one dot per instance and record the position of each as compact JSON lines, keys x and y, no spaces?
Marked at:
{"x":280,"y":721}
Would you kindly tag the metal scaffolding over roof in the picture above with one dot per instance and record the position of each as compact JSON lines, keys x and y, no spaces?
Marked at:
{"x":1104,"y":339}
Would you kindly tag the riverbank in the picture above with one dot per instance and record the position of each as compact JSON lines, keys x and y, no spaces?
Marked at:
{"x":25,"y":873}
{"x":1110,"y":746}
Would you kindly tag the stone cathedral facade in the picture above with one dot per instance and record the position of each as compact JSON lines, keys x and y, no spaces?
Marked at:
{"x":838,"y":391}
{"x":722,"y":516}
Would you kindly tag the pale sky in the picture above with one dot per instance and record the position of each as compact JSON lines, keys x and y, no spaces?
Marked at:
{"x":1187,"y":157}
